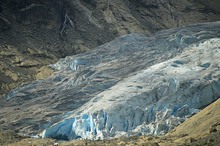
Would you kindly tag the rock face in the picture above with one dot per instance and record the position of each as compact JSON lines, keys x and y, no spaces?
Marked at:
{"x":135,"y":84}
{"x":21,"y":67}
{"x":59,"y":28}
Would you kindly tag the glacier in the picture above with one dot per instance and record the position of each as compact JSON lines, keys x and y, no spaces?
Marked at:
{"x":133,"y":85}
{"x":152,"y":101}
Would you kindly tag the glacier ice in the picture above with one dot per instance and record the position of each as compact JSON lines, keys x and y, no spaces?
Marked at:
{"x":152,"y":101}
{"x":135,"y":84}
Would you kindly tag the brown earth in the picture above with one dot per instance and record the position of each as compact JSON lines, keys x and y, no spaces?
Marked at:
{"x":199,"y":130}
{"x":34,"y":33}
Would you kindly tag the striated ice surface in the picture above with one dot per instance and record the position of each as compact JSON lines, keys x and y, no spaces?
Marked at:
{"x":133,"y":85}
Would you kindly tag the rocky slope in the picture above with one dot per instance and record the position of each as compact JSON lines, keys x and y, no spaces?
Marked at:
{"x":36,"y":33}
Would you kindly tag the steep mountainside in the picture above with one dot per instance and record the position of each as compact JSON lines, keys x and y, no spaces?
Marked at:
{"x":36,"y":33}
{"x":117,"y":73}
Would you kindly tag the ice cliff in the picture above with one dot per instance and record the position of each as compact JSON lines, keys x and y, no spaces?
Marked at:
{"x":133,"y":85}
